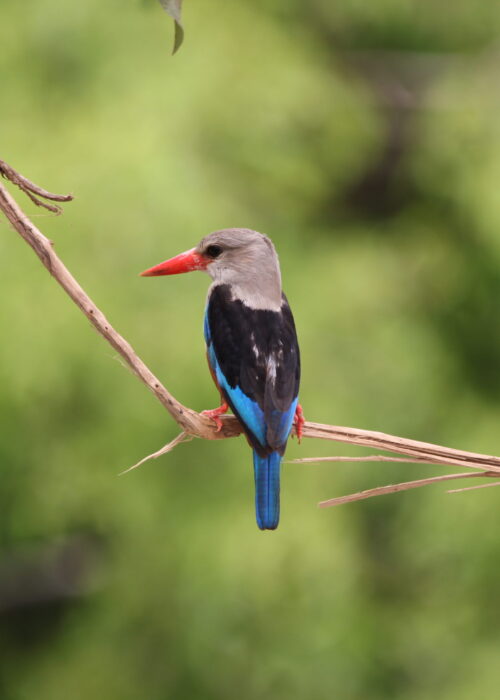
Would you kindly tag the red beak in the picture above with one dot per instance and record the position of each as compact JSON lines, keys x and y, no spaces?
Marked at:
{"x":184,"y":262}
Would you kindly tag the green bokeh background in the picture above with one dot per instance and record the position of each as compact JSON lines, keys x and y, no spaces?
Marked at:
{"x":366,"y":141}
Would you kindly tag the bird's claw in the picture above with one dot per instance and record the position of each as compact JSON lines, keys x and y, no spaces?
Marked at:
{"x":299,"y":421}
{"x":215,"y":413}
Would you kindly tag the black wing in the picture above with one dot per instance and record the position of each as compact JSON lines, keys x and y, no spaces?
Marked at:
{"x":257,"y":352}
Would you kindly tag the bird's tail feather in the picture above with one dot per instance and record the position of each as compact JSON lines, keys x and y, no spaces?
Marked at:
{"x":267,"y":490}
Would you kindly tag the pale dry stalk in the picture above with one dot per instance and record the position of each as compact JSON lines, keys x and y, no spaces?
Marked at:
{"x":194,"y":424}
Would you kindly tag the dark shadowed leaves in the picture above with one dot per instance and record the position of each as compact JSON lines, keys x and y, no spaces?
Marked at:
{"x":173,"y":7}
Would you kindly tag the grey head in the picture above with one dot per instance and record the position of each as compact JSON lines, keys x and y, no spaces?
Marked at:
{"x":246,"y":261}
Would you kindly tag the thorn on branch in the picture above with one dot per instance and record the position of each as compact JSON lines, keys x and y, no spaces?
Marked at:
{"x":34,"y":191}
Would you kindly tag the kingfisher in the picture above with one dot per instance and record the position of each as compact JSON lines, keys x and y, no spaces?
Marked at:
{"x":252,"y":349}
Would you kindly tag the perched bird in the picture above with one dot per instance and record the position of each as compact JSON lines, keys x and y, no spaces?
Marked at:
{"x":252,"y":349}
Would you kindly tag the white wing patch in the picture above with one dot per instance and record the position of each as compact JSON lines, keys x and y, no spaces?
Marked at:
{"x":273,"y":361}
{"x":255,"y":348}
{"x":271,"y":369}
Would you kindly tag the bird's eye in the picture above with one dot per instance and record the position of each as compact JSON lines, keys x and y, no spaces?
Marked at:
{"x":213,"y":251}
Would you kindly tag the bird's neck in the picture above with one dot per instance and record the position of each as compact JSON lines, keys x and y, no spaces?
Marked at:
{"x":261,"y":298}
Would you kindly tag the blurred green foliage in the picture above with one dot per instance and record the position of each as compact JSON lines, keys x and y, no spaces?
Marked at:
{"x":365,"y":140}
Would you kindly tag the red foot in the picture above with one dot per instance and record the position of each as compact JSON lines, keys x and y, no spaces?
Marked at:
{"x":214,"y":414}
{"x":299,"y":421}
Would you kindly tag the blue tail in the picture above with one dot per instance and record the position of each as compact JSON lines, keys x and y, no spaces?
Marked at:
{"x":267,"y":490}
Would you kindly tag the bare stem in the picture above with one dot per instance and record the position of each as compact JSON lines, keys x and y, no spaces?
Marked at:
{"x":182,"y":437}
{"x":395,"y":488}
{"x":196,"y":424}
{"x":365,"y":458}
{"x":473,"y":488}
{"x":190,"y":421}
{"x":33,"y":190}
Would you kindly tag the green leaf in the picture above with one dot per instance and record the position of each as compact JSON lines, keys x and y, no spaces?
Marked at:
{"x":173,"y":8}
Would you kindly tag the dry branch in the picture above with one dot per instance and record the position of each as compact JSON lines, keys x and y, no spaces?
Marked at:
{"x":182,"y":437}
{"x":33,"y":191}
{"x":476,"y":486}
{"x":194,"y":424}
{"x":403,"y":486}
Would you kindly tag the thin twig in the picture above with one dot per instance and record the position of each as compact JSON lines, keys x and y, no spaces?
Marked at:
{"x":395,"y":488}
{"x":32,"y":190}
{"x":182,"y":437}
{"x":366,"y":458}
{"x":473,"y":488}
{"x":189,"y":420}
{"x":195,"y":424}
